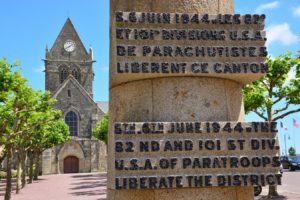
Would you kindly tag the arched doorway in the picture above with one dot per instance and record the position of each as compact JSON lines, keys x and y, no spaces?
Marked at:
{"x":71,"y":164}
{"x":71,"y":148}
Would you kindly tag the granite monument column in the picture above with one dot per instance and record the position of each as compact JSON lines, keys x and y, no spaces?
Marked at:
{"x":156,"y":77}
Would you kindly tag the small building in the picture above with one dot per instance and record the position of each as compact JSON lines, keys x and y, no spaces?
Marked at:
{"x":69,"y":77}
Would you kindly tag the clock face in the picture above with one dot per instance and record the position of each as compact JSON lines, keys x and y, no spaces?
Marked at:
{"x":69,"y":46}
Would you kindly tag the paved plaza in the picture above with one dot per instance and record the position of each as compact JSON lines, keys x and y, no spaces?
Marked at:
{"x":63,"y":187}
{"x":290,"y":188}
{"x":93,"y":187}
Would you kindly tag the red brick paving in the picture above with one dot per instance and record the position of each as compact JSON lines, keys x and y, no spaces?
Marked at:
{"x":91,"y":186}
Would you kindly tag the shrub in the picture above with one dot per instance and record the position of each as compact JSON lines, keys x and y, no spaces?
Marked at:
{"x":101,"y":130}
{"x":2,"y":175}
{"x":14,"y":173}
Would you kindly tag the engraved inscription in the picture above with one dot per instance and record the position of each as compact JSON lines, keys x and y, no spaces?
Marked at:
{"x":192,"y":148}
{"x":154,"y":155}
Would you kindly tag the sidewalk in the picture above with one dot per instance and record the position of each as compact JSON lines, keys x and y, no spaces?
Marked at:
{"x":284,"y":195}
{"x":290,"y":188}
{"x":90,"y":186}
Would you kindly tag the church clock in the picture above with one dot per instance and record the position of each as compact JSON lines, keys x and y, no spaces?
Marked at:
{"x":70,"y":45}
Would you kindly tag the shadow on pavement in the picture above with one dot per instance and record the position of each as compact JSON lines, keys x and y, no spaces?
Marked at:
{"x":89,"y":185}
{"x":280,"y":197}
{"x":3,"y":187}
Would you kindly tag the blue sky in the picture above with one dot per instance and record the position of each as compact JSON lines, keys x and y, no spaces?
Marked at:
{"x":27,"y":26}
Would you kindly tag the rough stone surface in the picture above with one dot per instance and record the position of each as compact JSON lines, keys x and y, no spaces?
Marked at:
{"x":169,"y":99}
{"x":177,"y":99}
{"x":200,"y":6}
{"x":194,"y":6}
{"x":239,"y":193}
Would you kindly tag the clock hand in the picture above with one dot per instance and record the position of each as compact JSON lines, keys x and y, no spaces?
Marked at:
{"x":69,"y":46}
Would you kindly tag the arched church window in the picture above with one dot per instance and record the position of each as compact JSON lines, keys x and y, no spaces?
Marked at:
{"x":72,"y":120}
{"x":63,"y":74}
{"x":76,"y":74}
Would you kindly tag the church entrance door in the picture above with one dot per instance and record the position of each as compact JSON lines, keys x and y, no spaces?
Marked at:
{"x":71,"y":164}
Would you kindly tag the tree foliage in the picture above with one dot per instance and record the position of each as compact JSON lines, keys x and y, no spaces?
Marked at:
{"x":7,"y":78}
{"x":292,"y":151}
{"x":101,"y":130}
{"x":271,"y":96}
{"x":264,"y":95}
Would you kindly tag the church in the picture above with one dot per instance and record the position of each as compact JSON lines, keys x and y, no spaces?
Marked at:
{"x":69,"y":77}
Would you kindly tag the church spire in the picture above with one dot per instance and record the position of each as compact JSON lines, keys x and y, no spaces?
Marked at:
{"x":46,"y":52}
{"x":91,"y":52}
{"x":68,"y":44}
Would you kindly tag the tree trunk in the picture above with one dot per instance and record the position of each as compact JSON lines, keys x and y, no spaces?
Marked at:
{"x":19,"y":172}
{"x":273,"y":191}
{"x":272,"y":188}
{"x":24,"y":170}
{"x":30,"y":167}
{"x":37,"y":166}
{"x":8,"y":171}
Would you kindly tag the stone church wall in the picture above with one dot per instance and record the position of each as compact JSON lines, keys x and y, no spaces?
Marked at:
{"x":90,"y":152}
{"x":52,"y":78}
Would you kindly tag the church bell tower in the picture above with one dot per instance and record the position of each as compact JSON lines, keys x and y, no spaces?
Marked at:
{"x":69,"y":57}
{"x":69,"y":77}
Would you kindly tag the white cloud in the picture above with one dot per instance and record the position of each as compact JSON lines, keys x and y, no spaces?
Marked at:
{"x":39,"y":69}
{"x":291,"y":75}
{"x":267,"y":6}
{"x":297,"y":12}
{"x":281,"y":33}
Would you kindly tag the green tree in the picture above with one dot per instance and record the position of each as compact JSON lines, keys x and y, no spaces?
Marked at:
{"x":28,"y":104}
{"x":292,"y":151}
{"x":266,"y":95}
{"x":14,"y":94}
{"x":35,"y":138}
{"x":101,"y":130}
{"x":28,"y":123}
{"x":51,"y":134}
{"x":7,"y":83}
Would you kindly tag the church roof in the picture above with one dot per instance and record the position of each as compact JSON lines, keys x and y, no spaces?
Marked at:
{"x":77,"y":85}
{"x":103,"y":105}
{"x":68,"y":32}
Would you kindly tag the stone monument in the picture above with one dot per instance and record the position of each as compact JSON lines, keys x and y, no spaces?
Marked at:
{"x":177,"y":127}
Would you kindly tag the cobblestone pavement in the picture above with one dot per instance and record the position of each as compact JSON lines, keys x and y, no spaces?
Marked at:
{"x":90,"y":186}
